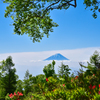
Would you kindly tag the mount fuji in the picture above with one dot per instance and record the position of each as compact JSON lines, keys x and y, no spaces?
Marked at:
{"x":57,"y":56}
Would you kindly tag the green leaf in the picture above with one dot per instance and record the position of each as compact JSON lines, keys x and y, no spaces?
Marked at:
{"x":12,"y":17}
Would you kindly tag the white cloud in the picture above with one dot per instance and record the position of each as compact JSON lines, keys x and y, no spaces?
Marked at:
{"x":33,"y":61}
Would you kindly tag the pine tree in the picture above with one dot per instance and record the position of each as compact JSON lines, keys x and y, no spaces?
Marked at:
{"x":63,"y":70}
{"x":8,"y":80}
{"x":26,"y":83}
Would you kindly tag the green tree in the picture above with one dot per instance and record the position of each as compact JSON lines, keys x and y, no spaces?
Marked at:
{"x":26,"y":83}
{"x":2,"y":90}
{"x":32,"y":79}
{"x":72,"y":75}
{"x":63,"y":70}
{"x":95,"y":59}
{"x":92,"y":68}
{"x":27,"y":75}
{"x":19,"y":86}
{"x":40,"y":86}
{"x":40,"y":78}
{"x":49,"y":69}
{"x":9,"y":79}
{"x":93,"y":65}
{"x":32,"y":17}
{"x":94,"y":62}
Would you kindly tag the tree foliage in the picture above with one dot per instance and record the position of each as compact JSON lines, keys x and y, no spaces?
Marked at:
{"x":27,"y":75}
{"x":9,"y":80}
{"x":6,"y":65}
{"x":49,"y":69}
{"x":32,"y":17}
{"x":93,"y":5}
{"x":19,"y":86}
{"x":28,"y":82}
{"x":94,"y":64}
{"x":40,"y":78}
{"x":64,"y":70}
{"x":95,"y":59}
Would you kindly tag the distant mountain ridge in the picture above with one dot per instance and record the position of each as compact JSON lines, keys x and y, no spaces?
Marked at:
{"x":57,"y":56}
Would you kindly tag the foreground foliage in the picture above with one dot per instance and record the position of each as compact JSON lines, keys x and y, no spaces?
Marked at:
{"x":32,"y":17}
{"x":52,"y":86}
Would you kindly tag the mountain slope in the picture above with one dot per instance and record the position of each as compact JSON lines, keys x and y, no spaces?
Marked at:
{"x":57,"y":56}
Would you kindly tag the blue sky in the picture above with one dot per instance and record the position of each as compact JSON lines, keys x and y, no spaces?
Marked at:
{"x":77,"y":30}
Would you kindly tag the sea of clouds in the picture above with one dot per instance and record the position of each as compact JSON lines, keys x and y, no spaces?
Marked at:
{"x":33,"y":61}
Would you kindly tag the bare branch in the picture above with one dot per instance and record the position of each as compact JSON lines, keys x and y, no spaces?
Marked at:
{"x":52,"y":4}
{"x":75,"y":3}
{"x":49,"y":8}
{"x":59,"y":6}
{"x":68,"y":2}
